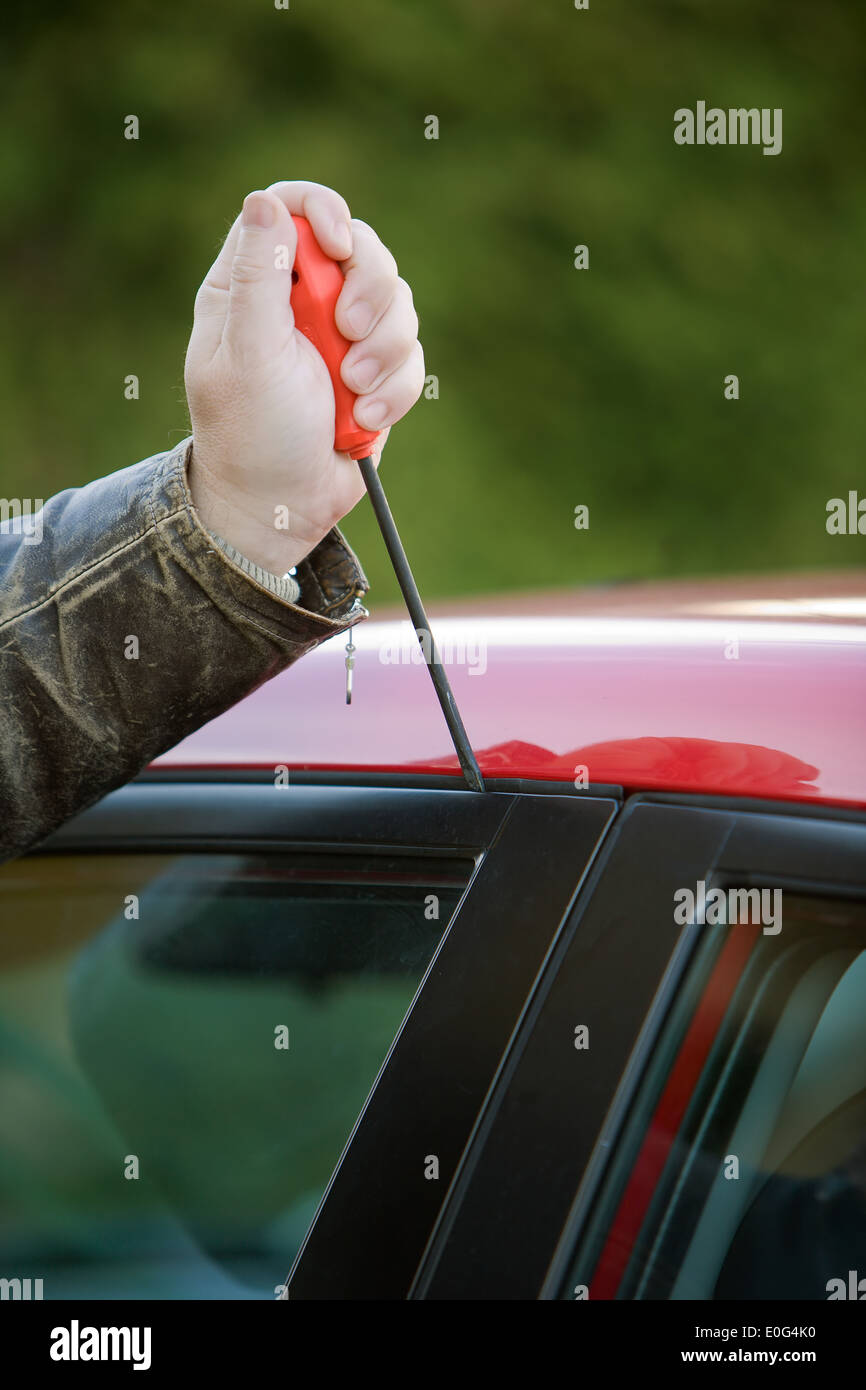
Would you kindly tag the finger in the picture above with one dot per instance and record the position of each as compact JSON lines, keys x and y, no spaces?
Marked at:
{"x":397,"y":394}
{"x":386,"y":347}
{"x":327,"y":213}
{"x":260,"y":321}
{"x":219,"y":275}
{"x":378,"y":445}
{"x":371,"y":283}
{"x":212,"y":299}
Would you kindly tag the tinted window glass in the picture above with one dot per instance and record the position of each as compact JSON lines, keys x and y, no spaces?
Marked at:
{"x":185,"y":1045}
{"x":741,"y":1173}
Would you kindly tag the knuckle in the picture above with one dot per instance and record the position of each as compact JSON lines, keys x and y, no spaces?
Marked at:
{"x":408,"y":312}
{"x":378,"y":289}
{"x":389,"y":284}
{"x":418,"y":371}
{"x":387,"y":265}
{"x":317,"y":198}
{"x":405,"y":387}
{"x":407,"y":336}
{"x":211,"y":298}
{"x":245,"y":269}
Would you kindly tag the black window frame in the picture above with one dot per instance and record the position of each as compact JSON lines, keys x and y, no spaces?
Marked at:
{"x":534,"y":1166}
{"x":531,"y":851}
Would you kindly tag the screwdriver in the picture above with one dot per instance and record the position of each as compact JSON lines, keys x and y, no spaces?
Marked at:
{"x":317,"y":281}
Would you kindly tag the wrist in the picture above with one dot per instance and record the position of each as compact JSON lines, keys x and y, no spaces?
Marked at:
{"x":275,"y":539}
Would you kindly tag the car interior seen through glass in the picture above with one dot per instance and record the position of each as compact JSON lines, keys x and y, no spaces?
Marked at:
{"x":187,"y":1041}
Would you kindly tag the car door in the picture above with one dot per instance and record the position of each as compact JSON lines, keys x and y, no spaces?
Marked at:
{"x":227,"y":1006}
{"x":683,"y":1110}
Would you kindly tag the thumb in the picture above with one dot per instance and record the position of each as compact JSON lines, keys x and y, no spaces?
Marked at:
{"x":260,"y":320}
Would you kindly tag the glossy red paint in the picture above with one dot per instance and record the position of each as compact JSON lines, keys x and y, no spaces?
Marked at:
{"x":747,"y":691}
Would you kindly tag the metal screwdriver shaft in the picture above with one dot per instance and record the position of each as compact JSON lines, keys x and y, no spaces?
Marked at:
{"x":420,"y":622}
{"x":317,"y":282}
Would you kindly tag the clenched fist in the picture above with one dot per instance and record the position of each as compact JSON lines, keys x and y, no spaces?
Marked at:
{"x":260,"y":397}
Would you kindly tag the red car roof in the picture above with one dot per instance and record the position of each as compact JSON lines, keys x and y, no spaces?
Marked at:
{"x":754,"y":688}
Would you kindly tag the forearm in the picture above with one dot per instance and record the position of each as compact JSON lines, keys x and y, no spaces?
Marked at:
{"x":127,"y":627}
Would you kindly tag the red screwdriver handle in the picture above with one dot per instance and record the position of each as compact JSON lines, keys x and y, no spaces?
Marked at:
{"x":316,"y":285}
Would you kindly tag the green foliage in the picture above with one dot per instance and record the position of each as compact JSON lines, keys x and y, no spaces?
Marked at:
{"x":557,"y":386}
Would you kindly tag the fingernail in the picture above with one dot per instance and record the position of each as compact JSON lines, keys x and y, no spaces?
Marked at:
{"x":258,"y":211}
{"x":371,"y":414}
{"x":358,"y":316}
{"x":343,"y":238}
{"x":364,"y":373}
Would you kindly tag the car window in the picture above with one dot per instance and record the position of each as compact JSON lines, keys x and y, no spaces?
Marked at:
{"x":186,"y":1042}
{"x":741,"y":1171}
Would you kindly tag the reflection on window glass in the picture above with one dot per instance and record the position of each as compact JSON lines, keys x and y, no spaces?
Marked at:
{"x":757,"y":1188}
{"x":185,"y":1045}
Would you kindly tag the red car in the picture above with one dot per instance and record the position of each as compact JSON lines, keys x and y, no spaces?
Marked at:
{"x":598,"y":1031}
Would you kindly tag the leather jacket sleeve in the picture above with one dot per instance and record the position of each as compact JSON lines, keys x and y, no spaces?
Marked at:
{"x":124,"y":626}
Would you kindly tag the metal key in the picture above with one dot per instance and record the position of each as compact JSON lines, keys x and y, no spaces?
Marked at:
{"x":350,"y":668}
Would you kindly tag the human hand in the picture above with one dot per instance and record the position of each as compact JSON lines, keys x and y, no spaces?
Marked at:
{"x":260,"y":397}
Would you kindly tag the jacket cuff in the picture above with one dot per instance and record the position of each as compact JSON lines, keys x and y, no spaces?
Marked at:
{"x":330,"y":580}
{"x":283,"y":585}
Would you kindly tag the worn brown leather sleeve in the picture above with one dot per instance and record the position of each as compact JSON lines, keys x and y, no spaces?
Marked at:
{"x":123,"y":628}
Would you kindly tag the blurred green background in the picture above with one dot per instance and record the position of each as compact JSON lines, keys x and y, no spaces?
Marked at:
{"x":557,"y":386}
